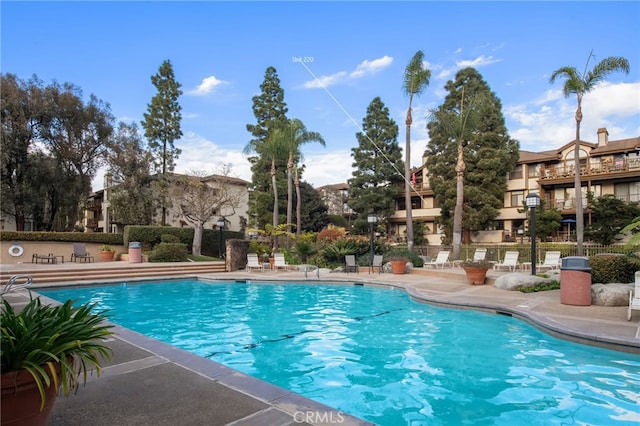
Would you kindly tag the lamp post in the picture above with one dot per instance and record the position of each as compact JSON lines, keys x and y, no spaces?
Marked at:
{"x":220,"y":224}
{"x":533,"y":201}
{"x":372,"y":219}
{"x":521,"y":234}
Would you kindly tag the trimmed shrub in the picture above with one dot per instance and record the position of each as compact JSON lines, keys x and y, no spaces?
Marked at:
{"x":613,"y":268}
{"x":169,"y":238}
{"x":169,"y":252}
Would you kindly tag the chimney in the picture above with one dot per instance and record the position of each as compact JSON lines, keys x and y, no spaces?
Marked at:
{"x":603,"y":137}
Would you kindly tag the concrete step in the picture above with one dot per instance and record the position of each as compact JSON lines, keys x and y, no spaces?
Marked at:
{"x":61,"y":273}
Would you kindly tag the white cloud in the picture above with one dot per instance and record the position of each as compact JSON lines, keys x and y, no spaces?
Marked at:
{"x":364,"y":68}
{"x":478,"y":62}
{"x":328,"y":168}
{"x":549,"y":121}
{"x":371,"y":67}
{"x":207,"y":86}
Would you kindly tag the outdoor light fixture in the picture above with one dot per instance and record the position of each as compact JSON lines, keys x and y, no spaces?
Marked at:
{"x":220,"y":224}
{"x":372,"y":219}
{"x":533,"y":201}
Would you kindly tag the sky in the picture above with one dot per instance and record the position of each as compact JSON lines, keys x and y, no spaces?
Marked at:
{"x":333,"y":58}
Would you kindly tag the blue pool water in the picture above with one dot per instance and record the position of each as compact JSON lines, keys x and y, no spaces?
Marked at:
{"x":376,"y":354}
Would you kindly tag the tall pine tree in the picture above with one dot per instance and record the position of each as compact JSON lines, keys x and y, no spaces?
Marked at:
{"x":489,"y":154}
{"x":162,"y":126}
{"x":270,"y":110}
{"x":378,"y":167}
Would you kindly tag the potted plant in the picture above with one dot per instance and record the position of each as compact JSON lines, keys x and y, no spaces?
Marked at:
{"x":398,"y":259}
{"x":44,"y":349}
{"x":107,"y":253}
{"x":476,"y":271}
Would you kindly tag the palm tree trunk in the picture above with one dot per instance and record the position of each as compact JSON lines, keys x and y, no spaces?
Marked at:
{"x":298,"y":203}
{"x":276,"y":213}
{"x":407,"y":182}
{"x":578,"y":183}
{"x":289,"y":192}
{"x":457,"y":213}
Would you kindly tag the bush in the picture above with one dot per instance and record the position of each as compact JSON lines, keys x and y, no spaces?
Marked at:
{"x":169,"y":252}
{"x":613,"y":268}
{"x":169,"y":238}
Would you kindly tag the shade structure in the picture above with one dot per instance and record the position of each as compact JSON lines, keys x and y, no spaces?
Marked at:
{"x":568,"y":221}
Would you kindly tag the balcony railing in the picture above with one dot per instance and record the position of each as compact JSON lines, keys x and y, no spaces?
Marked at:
{"x":592,"y":169}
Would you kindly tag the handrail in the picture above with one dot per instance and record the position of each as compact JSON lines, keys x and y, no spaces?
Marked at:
{"x":12,"y":286}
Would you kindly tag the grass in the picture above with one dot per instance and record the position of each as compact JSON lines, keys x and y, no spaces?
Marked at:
{"x":201,"y":258}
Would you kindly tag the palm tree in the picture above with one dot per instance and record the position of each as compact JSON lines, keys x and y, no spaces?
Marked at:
{"x":416,"y":79}
{"x":581,"y":84}
{"x":275,"y":148}
{"x":295,"y":134}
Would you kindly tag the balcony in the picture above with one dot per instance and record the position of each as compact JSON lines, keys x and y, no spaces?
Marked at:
{"x":601,"y":169}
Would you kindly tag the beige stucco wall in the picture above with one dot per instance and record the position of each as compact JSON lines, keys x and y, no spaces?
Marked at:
{"x":44,"y":248}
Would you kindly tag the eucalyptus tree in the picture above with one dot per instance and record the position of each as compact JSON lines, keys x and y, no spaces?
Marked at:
{"x":416,"y":79}
{"x":295,"y":134}
{"x":76,"y":134}
{"x":22,"y":112}
{"x":269,"y":109}
{"x":488,"y":153}
{"x":580,"y":84}
{"x":162,"y":125}
{"x":377,"y":163}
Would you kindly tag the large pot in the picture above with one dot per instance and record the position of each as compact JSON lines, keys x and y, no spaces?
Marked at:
{"x":21,"y":401}
{"x":398,"y":266}
{"x":475,"y":275}
{"x":107,"y":256}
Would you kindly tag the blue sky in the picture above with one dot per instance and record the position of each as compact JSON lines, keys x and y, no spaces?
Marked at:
{"x":356,"y":50}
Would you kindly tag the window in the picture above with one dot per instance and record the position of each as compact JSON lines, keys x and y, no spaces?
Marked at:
{"x":517,"y":197}
{"x":516,"y":173}
{"x":628,"y":192}
{"x":533,"y":170}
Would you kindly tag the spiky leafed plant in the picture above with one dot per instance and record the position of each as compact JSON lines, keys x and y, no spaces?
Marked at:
{"x":41,"y":337}
{"x":581,"y":84}
{"x":416,"y":79}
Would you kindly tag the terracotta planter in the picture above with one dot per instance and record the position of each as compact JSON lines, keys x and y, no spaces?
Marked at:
{"x":107,"y":256}
{"x":21,"y":400}
{"x":475,"y":275}
{"x":398,"y":266}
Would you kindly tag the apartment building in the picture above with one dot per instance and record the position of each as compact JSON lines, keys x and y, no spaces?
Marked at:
{"x":606,"y":167}
{"x":335,"y":198}
{"x":99,"y":217}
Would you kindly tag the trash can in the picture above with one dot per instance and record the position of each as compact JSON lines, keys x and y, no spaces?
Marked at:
{"x":135,"y":252}
{"x":575,"y":281}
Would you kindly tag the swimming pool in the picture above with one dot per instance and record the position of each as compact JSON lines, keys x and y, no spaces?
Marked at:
{"x":373,"y":353}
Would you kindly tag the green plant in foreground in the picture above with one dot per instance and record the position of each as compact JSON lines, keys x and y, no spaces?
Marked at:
{"x":553,"y":285}
{"x":40,"y":337}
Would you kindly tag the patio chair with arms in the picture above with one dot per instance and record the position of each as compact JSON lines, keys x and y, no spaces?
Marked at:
{"x":80,"y":252}
{"x":350,"y":263}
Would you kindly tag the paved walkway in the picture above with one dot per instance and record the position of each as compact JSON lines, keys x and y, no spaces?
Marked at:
{"x":150,"y":383}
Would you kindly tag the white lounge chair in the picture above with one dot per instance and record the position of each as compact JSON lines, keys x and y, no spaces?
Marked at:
{"x":441,"y":261}
{"x":551,"y":261}
{"x":634,"y":300}
{"x":253,"y":262}
{"x":279,"y":262}
{"x":510,"y":261}
{"x":479,"y":255}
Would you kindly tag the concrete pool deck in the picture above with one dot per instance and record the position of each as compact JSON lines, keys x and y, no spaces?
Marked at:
{"x":150,"y":383}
